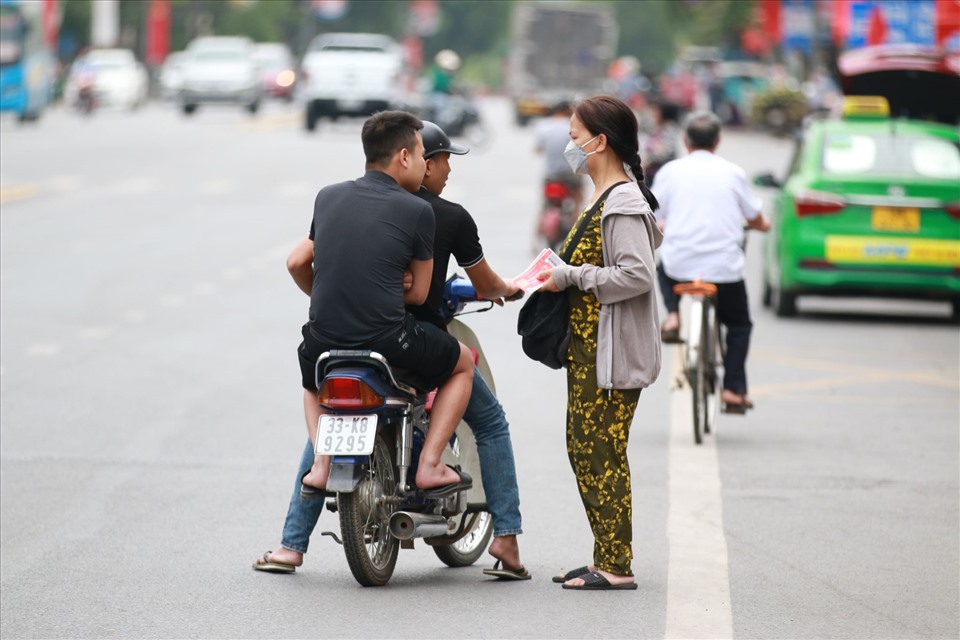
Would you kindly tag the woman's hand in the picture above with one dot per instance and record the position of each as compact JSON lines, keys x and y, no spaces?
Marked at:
{"x":546,"y":277}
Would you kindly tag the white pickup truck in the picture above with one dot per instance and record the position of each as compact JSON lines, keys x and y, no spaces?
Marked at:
{"x":352,"y":74}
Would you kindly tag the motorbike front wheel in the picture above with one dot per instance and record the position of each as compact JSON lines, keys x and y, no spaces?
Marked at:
{"x":365,"y":520}
{"x":468,"y":549}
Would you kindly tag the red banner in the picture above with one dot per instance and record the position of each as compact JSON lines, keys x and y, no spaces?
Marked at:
{"x":49,"y":20}
{"x":158,"y":32}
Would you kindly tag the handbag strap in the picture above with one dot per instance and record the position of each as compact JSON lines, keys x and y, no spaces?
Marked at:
{"x":582,"y":228}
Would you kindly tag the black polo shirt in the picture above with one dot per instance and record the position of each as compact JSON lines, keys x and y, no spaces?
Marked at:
{"x":456,"y":235}
{"x":365,"y":234}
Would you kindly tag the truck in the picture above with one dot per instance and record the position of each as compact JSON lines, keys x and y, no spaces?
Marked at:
{"x":351,"y":74}
{"x":559,"y":51}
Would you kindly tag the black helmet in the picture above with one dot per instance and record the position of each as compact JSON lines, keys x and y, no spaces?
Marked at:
{"x":436,"y":141}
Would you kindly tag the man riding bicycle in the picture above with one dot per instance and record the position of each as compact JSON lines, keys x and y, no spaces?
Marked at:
{"x":705,"y":201}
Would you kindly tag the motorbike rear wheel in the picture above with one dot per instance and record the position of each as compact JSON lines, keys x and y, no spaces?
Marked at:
{"x":365,"y":519}
{"x":468,"y":549}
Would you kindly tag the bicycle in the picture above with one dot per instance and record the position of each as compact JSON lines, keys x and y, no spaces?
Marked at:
{"x":703,"y":351}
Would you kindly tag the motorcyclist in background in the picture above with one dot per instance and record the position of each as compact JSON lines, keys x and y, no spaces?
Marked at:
{"x":442,"y":77}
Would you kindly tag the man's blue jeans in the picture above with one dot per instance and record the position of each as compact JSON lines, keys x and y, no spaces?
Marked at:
{"x":486,"y":419}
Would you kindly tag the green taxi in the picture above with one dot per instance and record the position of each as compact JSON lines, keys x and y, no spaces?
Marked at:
{"x":870,"y":206}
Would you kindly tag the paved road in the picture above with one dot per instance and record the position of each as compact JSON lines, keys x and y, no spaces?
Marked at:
{"x":150,"y":421}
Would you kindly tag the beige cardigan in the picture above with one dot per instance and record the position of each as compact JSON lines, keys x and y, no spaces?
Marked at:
{"x":628,"y":341}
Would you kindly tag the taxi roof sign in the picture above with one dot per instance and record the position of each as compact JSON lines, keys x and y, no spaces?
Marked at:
{"x":865,"y":108}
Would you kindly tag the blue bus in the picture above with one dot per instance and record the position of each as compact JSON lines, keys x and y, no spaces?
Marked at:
{"x":27,"y":68}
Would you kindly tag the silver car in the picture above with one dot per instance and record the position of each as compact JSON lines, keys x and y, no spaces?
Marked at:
{"x":220,"y":69}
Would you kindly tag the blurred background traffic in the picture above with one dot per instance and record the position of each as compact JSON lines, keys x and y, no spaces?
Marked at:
{"x":862,"y":208}
{"x":759,"y":63}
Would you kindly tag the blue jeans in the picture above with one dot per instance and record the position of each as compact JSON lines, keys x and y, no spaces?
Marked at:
{"x":486,"y":419}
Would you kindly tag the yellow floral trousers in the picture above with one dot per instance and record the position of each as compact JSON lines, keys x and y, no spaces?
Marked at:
{"x":598,"y":427}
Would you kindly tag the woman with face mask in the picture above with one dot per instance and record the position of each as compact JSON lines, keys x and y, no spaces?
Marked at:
{"x":615,"y":338}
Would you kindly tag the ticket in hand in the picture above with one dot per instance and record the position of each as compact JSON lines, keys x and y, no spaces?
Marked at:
{"x":528,"y":279}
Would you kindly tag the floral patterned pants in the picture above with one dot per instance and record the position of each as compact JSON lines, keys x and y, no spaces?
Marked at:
{"x":598,"y":427}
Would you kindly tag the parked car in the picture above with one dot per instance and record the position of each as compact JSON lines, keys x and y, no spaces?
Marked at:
{"x":170,"y":79}
{"x":118,"y":78}
{"x":277,"y":67}
{"x":871,"y":206}
{"x":220,"y":69}
{"x":353,"y":74}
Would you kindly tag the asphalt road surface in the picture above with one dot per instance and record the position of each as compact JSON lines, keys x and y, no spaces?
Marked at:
{"x":151,"y":419}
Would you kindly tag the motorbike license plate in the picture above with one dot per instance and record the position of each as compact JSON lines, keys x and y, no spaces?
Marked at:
{"x":346,"y":435}
{"x":895,"y":219}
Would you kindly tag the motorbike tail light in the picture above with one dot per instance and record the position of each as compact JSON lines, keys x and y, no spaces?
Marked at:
{"x":348,"y":394}
{"x":556,"y":191}
{"x":953,"y":209}
{"x":815,"y":203}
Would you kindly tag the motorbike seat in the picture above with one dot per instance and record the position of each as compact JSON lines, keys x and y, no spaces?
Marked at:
{"x":403,"y":379}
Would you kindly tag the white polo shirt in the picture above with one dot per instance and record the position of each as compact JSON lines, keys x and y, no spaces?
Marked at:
{"x":704,"y":201}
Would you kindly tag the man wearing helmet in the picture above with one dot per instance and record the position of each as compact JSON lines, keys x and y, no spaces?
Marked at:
{"x":455,"y":234}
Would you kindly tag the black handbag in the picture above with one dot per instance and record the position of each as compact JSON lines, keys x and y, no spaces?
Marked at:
{"x":544,"y":320}
{"x":544,"y":326}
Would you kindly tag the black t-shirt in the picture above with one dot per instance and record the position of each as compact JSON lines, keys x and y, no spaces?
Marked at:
{"x":456,"y":234}
{"x":365,"y":234}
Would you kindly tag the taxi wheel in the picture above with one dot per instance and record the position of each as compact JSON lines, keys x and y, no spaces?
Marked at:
{"x":784,"y":303}
{"x":765,"y":296}
{"x":955,"y":316}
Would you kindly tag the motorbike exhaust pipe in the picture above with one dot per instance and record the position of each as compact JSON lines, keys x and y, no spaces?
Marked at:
{"x":406,"y":526}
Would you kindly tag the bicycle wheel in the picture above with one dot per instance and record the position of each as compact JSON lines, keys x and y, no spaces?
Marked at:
{"x":696,"y":349}
{"x":713,"y":369}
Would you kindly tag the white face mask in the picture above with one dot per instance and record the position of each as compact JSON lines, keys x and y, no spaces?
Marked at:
{"x":577,"y":157}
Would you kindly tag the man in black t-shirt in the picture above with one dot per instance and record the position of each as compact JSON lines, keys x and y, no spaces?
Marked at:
{"x":365,"y":235}
{"x":456,"y":235}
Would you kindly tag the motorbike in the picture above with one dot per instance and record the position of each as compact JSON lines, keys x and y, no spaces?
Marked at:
{"x":376,"y":427}
{"x":457,"y":114}
{"x":86,"y":95}
{"x":559,"y":213}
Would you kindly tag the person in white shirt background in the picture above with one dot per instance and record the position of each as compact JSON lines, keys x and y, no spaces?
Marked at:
{"x":705,"y":205}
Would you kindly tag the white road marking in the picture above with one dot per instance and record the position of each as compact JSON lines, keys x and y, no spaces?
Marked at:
{"x":94,"y":333}
{"x":64,"y":183}
{"x":43,"y":350}
{"x":134,"y":316}
{"x":232,"y":273}
{"x":173,"y":301}
{"x":136,"y":186}
{"x":301,"y":189}
{"x":698,"y":583}
{"x":204,"y":288}
{"x":217,"y":187}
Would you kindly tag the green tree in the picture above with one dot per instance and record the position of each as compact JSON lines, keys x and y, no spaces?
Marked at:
{"x":710,"y":22}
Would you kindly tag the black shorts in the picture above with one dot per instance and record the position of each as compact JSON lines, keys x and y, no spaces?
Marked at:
{"x":428,"y":351}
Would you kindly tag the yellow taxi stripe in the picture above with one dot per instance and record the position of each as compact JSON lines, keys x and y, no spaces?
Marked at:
{"x":873,"y":250}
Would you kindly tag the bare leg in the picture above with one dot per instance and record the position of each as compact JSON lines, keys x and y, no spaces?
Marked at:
{"x":448,"y":408}
{"x":506,"y":550}
{"x":284,"y":555}
{"x":317,"y":478}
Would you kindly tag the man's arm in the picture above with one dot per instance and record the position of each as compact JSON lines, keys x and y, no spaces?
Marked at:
{"x":760,"y":223}
{"x":422,"y":272}
{"x":300,"y":265}
{"x":488,"y":284}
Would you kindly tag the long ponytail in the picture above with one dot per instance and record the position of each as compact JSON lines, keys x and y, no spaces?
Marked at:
{"x":637,"y":169}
